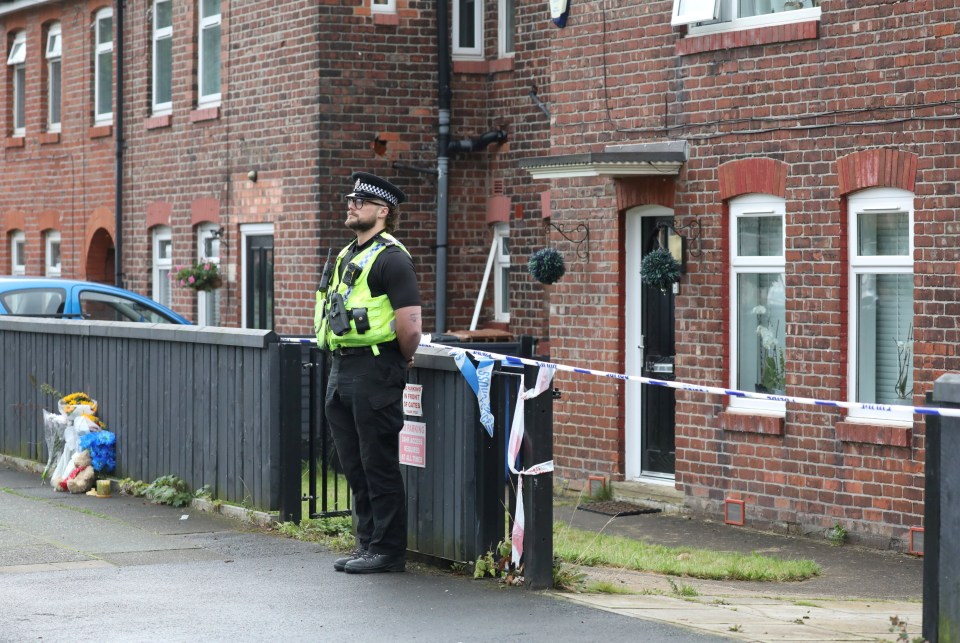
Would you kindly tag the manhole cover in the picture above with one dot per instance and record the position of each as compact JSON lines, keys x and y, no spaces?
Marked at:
{"x":617,"y":508}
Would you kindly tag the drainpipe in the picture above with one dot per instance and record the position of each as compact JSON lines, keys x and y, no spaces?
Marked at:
{"x":118,"y":137}
{"x":443,"y":160}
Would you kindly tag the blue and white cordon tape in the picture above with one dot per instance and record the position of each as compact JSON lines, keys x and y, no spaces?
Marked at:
{"x":683,"y":386}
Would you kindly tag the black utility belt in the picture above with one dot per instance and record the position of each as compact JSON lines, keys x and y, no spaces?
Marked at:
{"x":364,"y":350}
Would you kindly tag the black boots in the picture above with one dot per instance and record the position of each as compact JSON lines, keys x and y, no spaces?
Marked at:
{"x":340,"y":563}
{"x":368,"y":563}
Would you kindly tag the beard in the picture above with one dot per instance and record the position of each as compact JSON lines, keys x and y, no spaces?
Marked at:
{"x":359,"y":225}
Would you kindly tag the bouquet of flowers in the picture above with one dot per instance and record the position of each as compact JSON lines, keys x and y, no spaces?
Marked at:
{"x":102,"y":448}
{"x":204,"y":275}
{"x":64,"y":433}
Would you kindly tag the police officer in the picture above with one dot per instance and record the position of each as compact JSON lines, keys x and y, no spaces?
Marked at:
{"x":369,"y":318}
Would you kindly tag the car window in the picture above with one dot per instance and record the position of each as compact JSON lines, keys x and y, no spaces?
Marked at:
{"x":35,"y":301}
{"x":105,"y":307}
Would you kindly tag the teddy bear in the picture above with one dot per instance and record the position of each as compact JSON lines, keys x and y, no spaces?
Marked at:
{"x":81,"y":478}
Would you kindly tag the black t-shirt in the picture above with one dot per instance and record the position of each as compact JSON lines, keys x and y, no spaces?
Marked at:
{"x":392,"y":274}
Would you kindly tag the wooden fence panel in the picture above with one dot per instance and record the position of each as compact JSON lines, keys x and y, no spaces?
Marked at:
{"x":189,"y":401}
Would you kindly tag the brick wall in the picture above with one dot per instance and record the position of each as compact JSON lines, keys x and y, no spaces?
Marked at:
{"x":53,"y":181}
{"x":854,"y":103}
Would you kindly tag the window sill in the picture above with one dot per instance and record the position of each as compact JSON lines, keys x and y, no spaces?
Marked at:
{"x":14,"y":142}
{"x":205,"y":114}
{"x":742,"y":422}
{"x":895,"y":435}
{"x":501,"y":64}
{"x":101,"y":131}
{"x":157,"y":122}
{"x":807,"y":30}
{"x":387,"y":19}
{"x":49,"y":138}
{"x":471,"y":67}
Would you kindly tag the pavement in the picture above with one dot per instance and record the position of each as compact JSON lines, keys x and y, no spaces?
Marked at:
{"x":122,"y":569}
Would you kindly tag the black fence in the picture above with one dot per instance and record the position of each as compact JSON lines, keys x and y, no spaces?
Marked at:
{"x":241,"y":412}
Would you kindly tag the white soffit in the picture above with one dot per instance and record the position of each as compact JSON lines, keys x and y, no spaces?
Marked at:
{"x":642,"y":159}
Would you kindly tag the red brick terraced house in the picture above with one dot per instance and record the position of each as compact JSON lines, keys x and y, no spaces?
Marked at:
{"x":797,"y":158}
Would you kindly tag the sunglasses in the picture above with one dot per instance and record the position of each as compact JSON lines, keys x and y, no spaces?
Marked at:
{"x":357,"y":202}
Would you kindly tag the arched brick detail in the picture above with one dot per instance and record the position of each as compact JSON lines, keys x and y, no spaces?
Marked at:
{"x":158,"y":213}
{"x":653,"y":190}
{"x":205,"y":210}
{"x":48,"y":220}
{"x":14,"y":221}
{"x":752,"y":176}
{"x":100,"y":218}
{"x":877,"y":168}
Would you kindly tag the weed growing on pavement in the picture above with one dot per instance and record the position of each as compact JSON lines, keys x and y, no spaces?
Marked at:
{"x":684,"y":590}
{"x":165,"y":490}
{"x":335,"y":533}
{"x":567,"y":577}
{"x":606,"y":587}
{"x":837,"y":535}
{"x":735,"y":628}
{"x":899,"y":627}
{"x":587,"y":548}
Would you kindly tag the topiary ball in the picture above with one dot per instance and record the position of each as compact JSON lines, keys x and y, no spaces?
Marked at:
{"x":660,"y":269}
{"x":546,"y":265}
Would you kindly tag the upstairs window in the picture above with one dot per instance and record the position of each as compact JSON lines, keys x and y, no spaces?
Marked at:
{"x":51,"y":254}
{"x":103,"y":68}
{"x":468,"y":29}
{"x":208,"y":66}
{"x":727,"y":15}
{"x":162,"y":56}
{"x":18,"y":70}
{"x":506,"y":28}
{"x":881,"y":303}
{"x":53,"y":54}
{"x":758,"y":299}
{"x":18,"y":253}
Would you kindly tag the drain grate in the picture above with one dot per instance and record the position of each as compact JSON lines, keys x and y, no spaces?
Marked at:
{"x":617,"y":508}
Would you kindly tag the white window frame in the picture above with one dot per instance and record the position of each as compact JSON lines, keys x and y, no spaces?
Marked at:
{"x":18,"y":61}
{"x":162,"y":265}
{"x":207,"y":299}
{"x":18,"y":237}
{"x":501,"y":235}
{"x":468,"y":53}
{"x":751,"y":205}
{"x":388,"y":6}
{"x":506,"y":25}
{"x":699,"y":16}
{"x":874,"y":200}
{"x":54,"y":56}
{"x":205,"y":24}
{"x":51,"y":239}
{"x":100,"y":49}
{"x":161,"y":34}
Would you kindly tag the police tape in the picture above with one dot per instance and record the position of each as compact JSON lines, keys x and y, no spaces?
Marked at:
{"x":684,"y":386}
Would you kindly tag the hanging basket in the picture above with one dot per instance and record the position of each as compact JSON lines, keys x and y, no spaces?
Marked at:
{"x":546,"y":265}
{"x":660,"y":269}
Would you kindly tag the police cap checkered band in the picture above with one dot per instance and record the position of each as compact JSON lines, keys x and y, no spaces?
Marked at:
{"x":373,"y":187}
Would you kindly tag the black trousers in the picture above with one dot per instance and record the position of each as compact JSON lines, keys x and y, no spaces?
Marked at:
{"x":364,"y":407}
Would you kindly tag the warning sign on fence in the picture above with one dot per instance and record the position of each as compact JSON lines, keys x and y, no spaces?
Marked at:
{"x":413,"y":444}
{"x":412,"y":400}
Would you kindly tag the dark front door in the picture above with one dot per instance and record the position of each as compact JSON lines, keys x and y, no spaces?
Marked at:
{"x":259,"y":295}
{"x":657,"y":327}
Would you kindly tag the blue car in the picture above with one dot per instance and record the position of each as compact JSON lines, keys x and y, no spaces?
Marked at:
{"x":71,"y":299}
